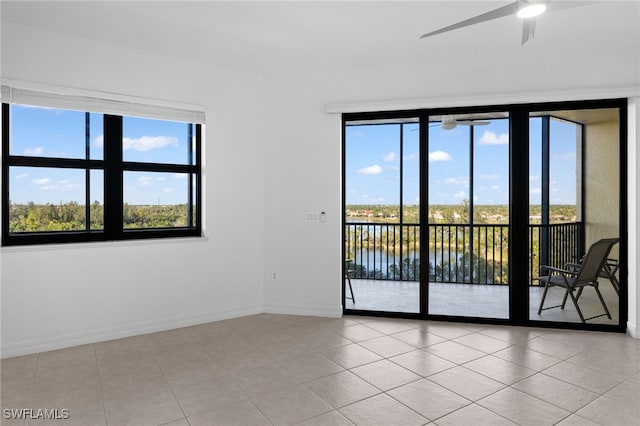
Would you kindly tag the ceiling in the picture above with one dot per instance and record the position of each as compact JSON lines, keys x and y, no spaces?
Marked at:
{"x":269,"y":36}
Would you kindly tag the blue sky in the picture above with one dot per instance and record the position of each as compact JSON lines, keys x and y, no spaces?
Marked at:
{"x":56,"y":133}
{"x":373,"y":163}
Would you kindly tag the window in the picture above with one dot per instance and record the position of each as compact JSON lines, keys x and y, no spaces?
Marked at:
{"x":71,"y":176}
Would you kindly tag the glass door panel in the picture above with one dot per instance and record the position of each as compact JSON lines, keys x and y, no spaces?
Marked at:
{"x":382,"y":234}
{"x":469,"y":215}
{"x":574,"y":202}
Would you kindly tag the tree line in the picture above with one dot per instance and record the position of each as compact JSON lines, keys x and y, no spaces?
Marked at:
{"x":72,"y":216}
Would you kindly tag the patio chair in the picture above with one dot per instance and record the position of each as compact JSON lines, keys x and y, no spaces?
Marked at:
{"x":578,"y":276}
{"x":348,"y":273}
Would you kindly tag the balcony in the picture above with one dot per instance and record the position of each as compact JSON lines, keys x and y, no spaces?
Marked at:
{"x":468,"y":269}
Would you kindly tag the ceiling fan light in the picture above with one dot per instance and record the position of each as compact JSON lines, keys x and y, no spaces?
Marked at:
{"x":448,"y":122}
{"x":531,"y":10}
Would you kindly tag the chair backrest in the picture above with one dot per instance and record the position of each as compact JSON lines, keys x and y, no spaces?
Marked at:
{"x":594,"y":259}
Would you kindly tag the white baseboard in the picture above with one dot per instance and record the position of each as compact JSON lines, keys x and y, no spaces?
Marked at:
{"x":323,"y":311}
{"x":632,"y":330}
{"x":100,"y":335}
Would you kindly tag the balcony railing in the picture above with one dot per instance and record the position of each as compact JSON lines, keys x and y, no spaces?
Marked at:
{"x":458,"y":253}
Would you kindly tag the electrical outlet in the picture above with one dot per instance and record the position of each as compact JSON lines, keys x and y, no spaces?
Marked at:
{"x":274,"y":276}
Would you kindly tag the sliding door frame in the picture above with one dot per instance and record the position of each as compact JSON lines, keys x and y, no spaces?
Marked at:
{"x":519,"y":115}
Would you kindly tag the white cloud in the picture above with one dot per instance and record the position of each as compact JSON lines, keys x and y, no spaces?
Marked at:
{"x":389,"y":157}
{"x":455,"y":181}
{"x":180,"y":175}
{"x":147,"y":143}
{"x":496,"y":187}
{"x":535,"y":191}
{"x":161,"y":179}
{"x":33,"y":151}
{"x":440,"y":156}
{"x":22,"y":176}
{"x":168,"y":190}
{"x":489,"y":177}
{"x":99,"y":141}
{"x":460,"y":194}
{"x":565,"y":156}
{"x":534,"y":178}
{"x":43,"y":181}
{"x":61,"y":185}
{"x":491,"y":138}
{"x":411,"y":156}
{"x":371,"y":170}
{"x":145,"y":180}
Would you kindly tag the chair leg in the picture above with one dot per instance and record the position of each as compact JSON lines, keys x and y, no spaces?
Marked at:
{"x":602,"y":301}
{"x":564,"y":299}
{"x":544,"y":295}
{"x":575,"y":303}
{"x":353,"y":299}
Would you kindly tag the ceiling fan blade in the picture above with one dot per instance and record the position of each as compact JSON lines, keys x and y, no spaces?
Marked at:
{"x":473,"y":123}
{"x":500,"y":12}
{"x":528,"y":29}
{"x":553,"y":6}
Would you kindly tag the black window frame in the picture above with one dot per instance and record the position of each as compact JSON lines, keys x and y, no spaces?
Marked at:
{"x":113,"y":168}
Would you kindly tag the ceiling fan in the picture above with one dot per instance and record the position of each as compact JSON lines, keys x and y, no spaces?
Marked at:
{"x":449,"y":122}
{"x":525,"y":9}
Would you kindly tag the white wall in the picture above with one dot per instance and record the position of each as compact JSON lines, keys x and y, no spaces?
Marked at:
{"x":56,"y":296}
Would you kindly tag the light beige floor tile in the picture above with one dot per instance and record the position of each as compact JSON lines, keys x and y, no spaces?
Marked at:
{"x":332,"y":418}
{"x":467,"y":383}
{"x":385,"y":375}
{"x":310,"y":367}
{"x":152,"y":410}
{"x":381,"y":410}
{"x":556,"y":392}
{"x":342,"y":389}
{"x":291,"y":405}
{"x":387,"y":346}
{"x":322,"y":340}
{"x":203,"y":395}
{"x":422,"y":362}
{"x":552,"y":347}
{"x":179,"y":422}
{"x":170,"y":341}
{"x":499,"y":369}
{"x":455,"y":352}
{"x":531,"y":359}
{"x":583,"y":377}
{"x":389,"y":326}
{"x":67,"y":358}
{"x":350,"y":356}
{"x":447,"y":331}
{"x":242,"y":413}
{"x":628,"y":391}
{"x":264,"y":379}
{"x":360,"y":332}
{"x":179,"y":365}
{"x":473,"y":415}
{"x":418,"y":338}
{"x":95,"y":417}
{"x":21,"y":368}
{"x":430,"y":400}
{"x":608,"y":411}
{"x":635,"y":378}
{"x":513,"y":335}
{"x":575,"y":420}
{"x":482,"y":342}
{"x":522,"y":408}
{"x":140,"y":382}
{"x":608,"y":362}
{"x":122,"y":350}
{"x":75,"y":396}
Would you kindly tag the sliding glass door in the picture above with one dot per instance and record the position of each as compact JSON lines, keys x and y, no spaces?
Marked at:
{"x":461,"y":212}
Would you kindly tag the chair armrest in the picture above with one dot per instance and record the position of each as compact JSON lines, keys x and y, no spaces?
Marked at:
{"x":560,"y":270}
{"x":573,"y":267}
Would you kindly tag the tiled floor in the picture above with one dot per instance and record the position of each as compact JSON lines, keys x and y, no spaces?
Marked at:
{"x":285,"y":370}
{"x":477,"y":300}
